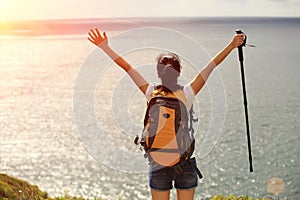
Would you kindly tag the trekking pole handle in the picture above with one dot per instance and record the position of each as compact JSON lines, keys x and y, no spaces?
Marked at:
{"x":238,"y":31}
{"x":240,"y":48}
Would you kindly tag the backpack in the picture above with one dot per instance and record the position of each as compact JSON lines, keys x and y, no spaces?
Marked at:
{"x":167,"y":139}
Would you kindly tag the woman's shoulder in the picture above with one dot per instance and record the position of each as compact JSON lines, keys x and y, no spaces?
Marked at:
{"x":149,"y":91}
{"x":188,"y":89}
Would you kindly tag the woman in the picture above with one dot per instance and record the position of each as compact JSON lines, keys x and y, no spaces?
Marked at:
{"x":168,"y":68}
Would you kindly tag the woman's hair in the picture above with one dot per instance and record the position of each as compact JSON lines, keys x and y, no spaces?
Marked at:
{"x":169,"y":68}
{"x":170,"y":59}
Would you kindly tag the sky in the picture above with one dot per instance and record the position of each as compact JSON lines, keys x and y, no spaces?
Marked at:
{"x":11,"y":10}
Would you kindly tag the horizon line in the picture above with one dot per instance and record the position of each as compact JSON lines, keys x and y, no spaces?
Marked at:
{"x":144,"y":17}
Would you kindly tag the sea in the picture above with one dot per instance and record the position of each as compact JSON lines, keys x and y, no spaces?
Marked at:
{"x":69,"y":115}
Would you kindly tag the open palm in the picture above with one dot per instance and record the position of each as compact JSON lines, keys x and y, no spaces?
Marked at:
{"x":96,"y":38}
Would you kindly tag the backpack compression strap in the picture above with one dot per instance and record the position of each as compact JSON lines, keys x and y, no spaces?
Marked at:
{"x":192,"y":119}
{"x":196,"y":169}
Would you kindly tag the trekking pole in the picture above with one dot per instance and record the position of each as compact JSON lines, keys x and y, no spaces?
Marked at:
{"x":241,"y":59}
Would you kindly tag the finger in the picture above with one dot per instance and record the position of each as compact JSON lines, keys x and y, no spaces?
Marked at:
{"x":243,"y":36}
{"x":240,"y":36}
{"x":104,"y":34}
{"x":98,"y":32}
{"x":91,"y":40}
{"x":91,"y":36}
{"x":93,"y":33}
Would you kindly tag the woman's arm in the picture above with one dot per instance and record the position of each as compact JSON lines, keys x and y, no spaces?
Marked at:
{"x":200,"y":79}
{"x":102,"y":42}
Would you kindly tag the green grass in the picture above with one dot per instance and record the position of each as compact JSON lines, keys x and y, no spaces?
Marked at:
{"x":15,"y":189}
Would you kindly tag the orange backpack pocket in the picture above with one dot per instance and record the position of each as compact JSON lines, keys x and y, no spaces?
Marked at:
{"x":165,"y":144}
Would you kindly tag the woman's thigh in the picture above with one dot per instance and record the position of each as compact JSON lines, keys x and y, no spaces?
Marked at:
{"x":185,"y":194}
{"x":160,"y":195}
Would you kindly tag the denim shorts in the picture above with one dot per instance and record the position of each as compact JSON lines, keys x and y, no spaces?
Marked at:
{"x":162,"y":178}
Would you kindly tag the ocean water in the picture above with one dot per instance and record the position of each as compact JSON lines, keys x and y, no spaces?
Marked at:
{"x":69,"y":115}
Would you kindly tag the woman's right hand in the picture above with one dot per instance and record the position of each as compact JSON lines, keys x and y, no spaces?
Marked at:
{"x":237,"y":40}
{"x":96,"y":38}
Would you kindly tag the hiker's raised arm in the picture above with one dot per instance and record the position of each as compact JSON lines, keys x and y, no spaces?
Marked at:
{"x":200,"y":79}
{"x":101,"y":41}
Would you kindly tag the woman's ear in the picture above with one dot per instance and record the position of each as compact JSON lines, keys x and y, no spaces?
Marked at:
{"x":158,"y":76}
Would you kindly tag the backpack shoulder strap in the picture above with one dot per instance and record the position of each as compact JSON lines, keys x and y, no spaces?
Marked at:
{"x":160,"y":90}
